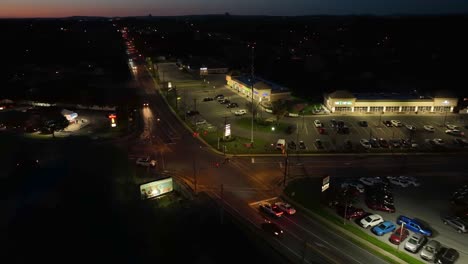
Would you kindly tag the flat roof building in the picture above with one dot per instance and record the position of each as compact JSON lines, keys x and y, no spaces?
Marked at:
{"x":343,"y":101}
{"x":263,"y":90}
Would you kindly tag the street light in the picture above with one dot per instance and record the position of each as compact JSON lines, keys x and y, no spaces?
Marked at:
{"x":272,"y":128}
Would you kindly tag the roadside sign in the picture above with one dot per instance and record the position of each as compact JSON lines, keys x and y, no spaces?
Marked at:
{"x":325,"y":183}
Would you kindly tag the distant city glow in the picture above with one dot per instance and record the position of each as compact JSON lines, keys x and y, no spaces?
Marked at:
{"x":65,"y":8}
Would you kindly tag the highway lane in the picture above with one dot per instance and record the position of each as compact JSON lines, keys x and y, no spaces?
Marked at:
{"x":190,"y":159}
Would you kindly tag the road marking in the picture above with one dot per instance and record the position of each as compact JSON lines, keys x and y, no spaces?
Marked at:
{"x":307,"y":131}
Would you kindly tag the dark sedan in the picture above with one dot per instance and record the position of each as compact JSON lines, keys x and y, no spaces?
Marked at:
{"x":272,"y":228}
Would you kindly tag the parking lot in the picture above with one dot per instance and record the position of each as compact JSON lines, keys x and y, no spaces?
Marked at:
{"x":429,"y":202}
{"x":193,"y":92}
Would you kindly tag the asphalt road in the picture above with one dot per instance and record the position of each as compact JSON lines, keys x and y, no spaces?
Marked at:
{"x":190,"y":159}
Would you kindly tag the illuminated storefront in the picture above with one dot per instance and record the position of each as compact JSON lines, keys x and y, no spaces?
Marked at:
{"x":342,"y":101}
{"x":263,"y":90}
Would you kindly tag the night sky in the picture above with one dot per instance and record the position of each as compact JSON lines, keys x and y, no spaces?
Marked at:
{"x":64,"y":8}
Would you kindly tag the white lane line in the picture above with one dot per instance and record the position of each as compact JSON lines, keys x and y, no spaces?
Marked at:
{"x":307,"y":131}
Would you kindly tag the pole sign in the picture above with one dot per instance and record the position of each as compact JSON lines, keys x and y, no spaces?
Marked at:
{"x":325,"y":183}
{"x":227,"y":130}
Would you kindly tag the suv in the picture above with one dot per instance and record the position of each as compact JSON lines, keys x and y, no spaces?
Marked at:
{"x":456,"y":222}
{"x":430,"y":250}
{"x":272,"y":210}
{"x":387,"y":123}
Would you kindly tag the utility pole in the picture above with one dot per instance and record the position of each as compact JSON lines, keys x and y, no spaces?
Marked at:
{"x":252,"y":101}
{"x":445,"y":117}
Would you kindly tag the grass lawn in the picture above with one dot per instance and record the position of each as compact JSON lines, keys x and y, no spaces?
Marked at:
{"x":261,"y":126}
{"x":239,"y":145}
{"x":300,"y":192}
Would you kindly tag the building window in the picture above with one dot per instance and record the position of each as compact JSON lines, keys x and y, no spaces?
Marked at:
{"x":441,"y":108}
{"x":342,"y":109}
{"x":376,"y":109}
{"x":424,"y":108}
{"x":392,"y":109}
{"x":408,"y":108}
{"x":360,"y":109}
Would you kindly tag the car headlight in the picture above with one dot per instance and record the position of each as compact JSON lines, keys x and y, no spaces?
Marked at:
{"x":276,"y":233}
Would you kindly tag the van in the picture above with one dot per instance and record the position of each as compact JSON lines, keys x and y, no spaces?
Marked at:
{"x":280,"y":144}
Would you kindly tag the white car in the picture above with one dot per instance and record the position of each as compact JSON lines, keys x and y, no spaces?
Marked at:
{"x":454,"y":132}
{"x":240,"y":112}
{"x":367,"y":181}
{"x":429,"y":128}
{"x":371,"y":221}
{"x":437,"y":141}
{"x":365,"y":143}
{"x":396,"y":123}
{"x":452,"y":127}
{"x":411,"y":127}
{"x":286,"y":208}
{"x":358,"y":186}
{"x":200,"y":122}
{"x":317,"y":123}
{"x":415,"y":242}
{"x":146,"y":162}
{"x":411,"y":180}
{"x":400,"y":182}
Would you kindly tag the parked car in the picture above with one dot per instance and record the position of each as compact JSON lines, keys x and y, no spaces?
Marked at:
{"x":224,"y":101}
{"x":286,"y":208}
{"x":374,"y":142}
{"x":396,"y":123}
{"x":456,"y":222}
{"x":318,"y":143}
{"x":350,"y":212}
{"x":269,"y":209}
{"x":387,"y":123}
{"x":399,"y":235}
{"x":333,"y":123}
{"x":437,"y":142}
{"x":415,"y":242}
{"x":365,"y":143}
{"x":452,"y":127}
{"x":240,"y":112}
{"x":411,"y":180}
{"x":429,"y":128}
{"x":381,"y":205}
{"x":454,"y":132}
{"x":430,"y":250}
{"x":410,"y":127}
{"x":318,"y":124}
{"x":383,"y":143}
{"x":367,"y":181}
{"x":414,"y":225}
{"x":272,"y":228}
{"x":232,"y":105}
{"x":461,"y":142}
{"x":447,"y":256}
{"x":384,"y":228}
{"x":146,"y":162}
{"x":302,"y":145}
{"x":363,"y":123}
{"x":371,"y":221}
{"x":292,"y":145}
{"x":208,"y":99}
{"x":355,"y":185}
{"x":394,"y":143}
{"x":192,"y":113}
{"x":219,"y":96}
{"x":400,"y":182}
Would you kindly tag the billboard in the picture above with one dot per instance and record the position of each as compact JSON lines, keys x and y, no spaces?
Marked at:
{"x":155,"y":188}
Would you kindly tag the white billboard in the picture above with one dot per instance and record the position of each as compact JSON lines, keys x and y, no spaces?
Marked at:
{"x":155,"y":188}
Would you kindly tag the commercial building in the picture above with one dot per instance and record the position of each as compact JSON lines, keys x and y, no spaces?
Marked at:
{"x":344,"y":101}
{"x":263,"y":90}
{"x":203,"y":66}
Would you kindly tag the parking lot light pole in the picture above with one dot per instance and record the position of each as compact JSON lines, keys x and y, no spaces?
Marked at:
{"x":401,"y":234}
